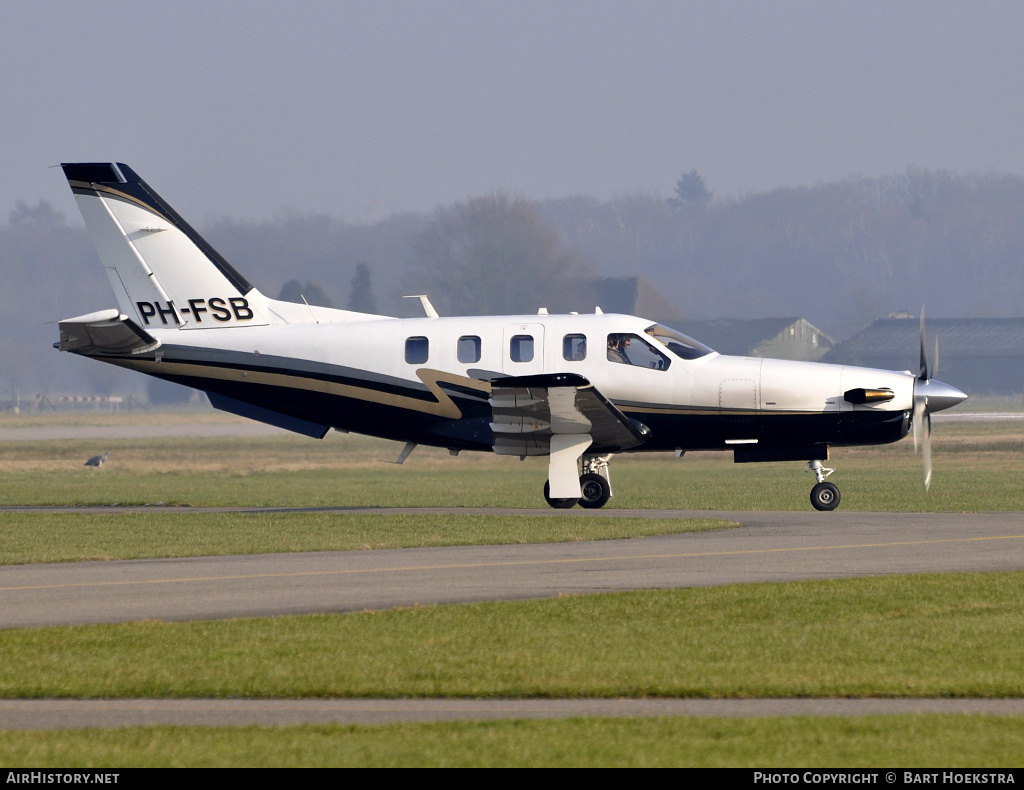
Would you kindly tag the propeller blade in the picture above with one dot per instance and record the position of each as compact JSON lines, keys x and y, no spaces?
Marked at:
{"x":922,"y":415}
{"x":929,"y":395}
{"x":918,"y":424}
{"x":926,"y":451}
{"x":923,"y":375}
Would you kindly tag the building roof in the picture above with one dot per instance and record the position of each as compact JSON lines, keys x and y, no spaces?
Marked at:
{"x":789,"y":338}
{"x":900,"y":337}
{"x":737,"y":336}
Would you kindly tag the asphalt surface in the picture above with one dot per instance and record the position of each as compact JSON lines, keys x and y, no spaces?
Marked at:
{"x":60,"y":714}
{"x":156,"y":430}
{"x":769,"y":547}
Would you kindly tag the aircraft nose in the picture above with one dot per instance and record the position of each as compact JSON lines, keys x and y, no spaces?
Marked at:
{"x":939,"y":395}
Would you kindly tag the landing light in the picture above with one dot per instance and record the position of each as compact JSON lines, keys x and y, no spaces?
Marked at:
{"x":861,"y":395}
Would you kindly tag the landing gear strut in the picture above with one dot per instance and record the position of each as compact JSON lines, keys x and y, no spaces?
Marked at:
{"x":824,"y":496}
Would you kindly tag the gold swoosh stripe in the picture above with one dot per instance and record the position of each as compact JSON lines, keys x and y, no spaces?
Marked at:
{"x":444,"y":406}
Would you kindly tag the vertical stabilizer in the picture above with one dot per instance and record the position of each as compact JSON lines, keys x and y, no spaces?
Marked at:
{"x":164,"y":274}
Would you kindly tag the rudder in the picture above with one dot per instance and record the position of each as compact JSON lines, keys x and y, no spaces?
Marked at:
{"x":164,"y":274}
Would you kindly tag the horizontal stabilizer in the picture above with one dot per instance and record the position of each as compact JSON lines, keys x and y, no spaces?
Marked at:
{"x":107,"y":333}
{"x":268,"y":416}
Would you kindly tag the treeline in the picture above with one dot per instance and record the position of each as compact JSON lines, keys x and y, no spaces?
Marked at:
{"x":839,"y":254}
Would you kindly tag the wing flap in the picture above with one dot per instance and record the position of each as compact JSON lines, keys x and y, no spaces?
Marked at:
{"x":528,"y":410}
{"x":107,"y":333}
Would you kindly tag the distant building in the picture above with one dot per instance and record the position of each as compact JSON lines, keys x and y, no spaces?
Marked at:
{"x":779,"y":338}
{"x":981,"y":356}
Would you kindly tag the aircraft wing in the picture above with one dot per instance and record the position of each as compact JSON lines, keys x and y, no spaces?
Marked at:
{"x":528,"y":410}
{"x":106,"y":333}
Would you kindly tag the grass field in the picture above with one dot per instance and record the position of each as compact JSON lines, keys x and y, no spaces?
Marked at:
{"x":939,"y":741}
{"x":934,"y":635}
{"x":937,"y":635}
{"x":69,"y":537}
{"x":977,"y":466}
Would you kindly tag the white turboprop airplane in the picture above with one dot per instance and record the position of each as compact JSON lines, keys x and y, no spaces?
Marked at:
{"x":576,"y":388}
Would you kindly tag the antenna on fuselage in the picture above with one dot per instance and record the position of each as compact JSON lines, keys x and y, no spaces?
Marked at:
{"x":310,"y":309}
{"x":406,"y":452}
{"x":428,"y":308}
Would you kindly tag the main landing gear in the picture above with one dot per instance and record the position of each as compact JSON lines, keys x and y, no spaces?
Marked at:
{"x":595,"y":485}
{"x":824,"y":496}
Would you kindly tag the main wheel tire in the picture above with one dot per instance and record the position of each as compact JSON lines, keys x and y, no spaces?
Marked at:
{"x":825,"y":496}
{"x":594,"y":491}
{"x":561,"y":504}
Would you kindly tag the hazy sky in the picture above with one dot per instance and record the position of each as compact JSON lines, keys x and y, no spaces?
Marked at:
{"x":359,"y":109}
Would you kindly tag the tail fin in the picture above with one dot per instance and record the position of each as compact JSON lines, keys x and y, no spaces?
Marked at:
{"x":163,"y":273}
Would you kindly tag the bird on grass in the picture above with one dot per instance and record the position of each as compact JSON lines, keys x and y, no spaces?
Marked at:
{"x":97,"y":460}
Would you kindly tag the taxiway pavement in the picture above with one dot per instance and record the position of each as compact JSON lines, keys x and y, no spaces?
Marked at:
{"x":768,"y":547}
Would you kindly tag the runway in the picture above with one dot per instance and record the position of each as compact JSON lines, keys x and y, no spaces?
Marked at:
{"x":768,"y":547}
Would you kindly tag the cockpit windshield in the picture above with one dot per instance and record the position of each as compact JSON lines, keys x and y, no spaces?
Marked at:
{"x":679,"y":344}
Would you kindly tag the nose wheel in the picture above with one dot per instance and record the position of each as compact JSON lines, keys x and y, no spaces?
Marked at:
{"x":824,"y":496}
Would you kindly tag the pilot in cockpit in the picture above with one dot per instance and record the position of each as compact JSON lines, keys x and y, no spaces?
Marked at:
{"x":617,"y":347}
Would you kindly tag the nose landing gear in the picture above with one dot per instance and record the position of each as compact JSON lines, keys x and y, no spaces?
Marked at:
{"x":824,"y":496}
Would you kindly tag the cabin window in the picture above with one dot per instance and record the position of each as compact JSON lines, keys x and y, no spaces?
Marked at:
{"x":417,"y":349}
{"x":574,"y":348}
{"x":628,"y":349}
{"x":469,"y":348}
{"x":521,"y":348}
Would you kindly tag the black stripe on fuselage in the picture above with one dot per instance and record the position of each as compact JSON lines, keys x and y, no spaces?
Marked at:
{"x":314,"y":371}
{"x":395,"y":409}
{"x":469,"y":432}
{"x":771,"y":429}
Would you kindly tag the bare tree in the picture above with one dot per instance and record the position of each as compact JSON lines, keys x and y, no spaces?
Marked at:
{"x":494,"y":254}
{"x":310,"y":293}
{"x":361,"y":298}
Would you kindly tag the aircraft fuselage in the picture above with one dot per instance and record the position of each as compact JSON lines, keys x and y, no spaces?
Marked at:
{"x":404,"y":379}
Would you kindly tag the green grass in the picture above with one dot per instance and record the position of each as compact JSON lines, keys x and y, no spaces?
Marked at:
{"x":937,"y":635}
{"x":68,"y":537}
{"x":907,"y":741}
{"x":977,"y":467}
